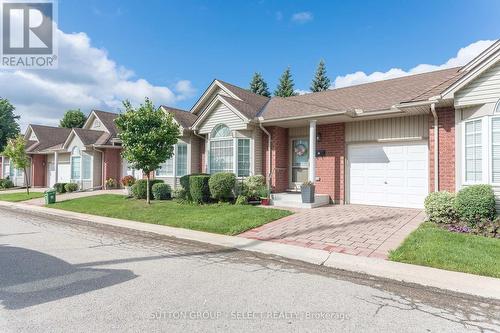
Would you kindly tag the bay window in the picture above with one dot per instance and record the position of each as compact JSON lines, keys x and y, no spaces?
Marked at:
{"x":229,"y":154}
{"x":243,"y":157}
{"x":181,"y":168}
{"x":76,"y":163}
{"x":495,"y":150}
{"x":473,"y":151}
{"x":179,"y":160}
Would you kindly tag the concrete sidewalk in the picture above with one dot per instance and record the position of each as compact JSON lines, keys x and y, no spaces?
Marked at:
{"x":476,"y":285}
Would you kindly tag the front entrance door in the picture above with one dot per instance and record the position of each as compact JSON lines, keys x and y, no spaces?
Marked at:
{"x":299,"y":162}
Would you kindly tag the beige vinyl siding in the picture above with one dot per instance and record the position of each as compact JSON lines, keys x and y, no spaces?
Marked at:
{"x":64,"y":157}
{"x":257,"y":151}
{"x":388,"y":129}
{"x":482,"y":90}
{"x":222,"y":115}
{"x":298,"y":132}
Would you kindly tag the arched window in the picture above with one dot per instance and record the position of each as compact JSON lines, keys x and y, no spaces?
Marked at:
{"x":76,"y":165}
{"x":497,"y":107}
{"x":220,"y":131}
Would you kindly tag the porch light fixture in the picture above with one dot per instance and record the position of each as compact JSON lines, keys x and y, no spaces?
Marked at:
{"x":318,"y":137}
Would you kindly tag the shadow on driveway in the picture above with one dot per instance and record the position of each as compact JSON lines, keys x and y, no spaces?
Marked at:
{"x":29,"y":277}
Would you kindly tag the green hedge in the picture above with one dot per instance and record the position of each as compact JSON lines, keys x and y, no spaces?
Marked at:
{"x":6,"y":183}
{"x":440,"y":207}
{"x":139,"y":189}
{"x":60,"y":187}
{"x":199,"y":189}
{"x":474,"y":203}
{"x":184,"y":181}
{"x":71,"y":187}
{"x":222,"y":185}
{"x":161,"y":191}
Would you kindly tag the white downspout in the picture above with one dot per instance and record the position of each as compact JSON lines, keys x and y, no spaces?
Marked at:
{"x":269,"y":178}
{"x":436,"y":147}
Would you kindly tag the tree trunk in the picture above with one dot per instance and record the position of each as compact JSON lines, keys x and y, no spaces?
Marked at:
{"x":147,"y":188}
{"x":26,"y":181}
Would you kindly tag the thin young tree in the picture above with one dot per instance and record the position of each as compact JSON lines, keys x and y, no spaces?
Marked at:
{"x":321,"y":82}
{"x":285,"y":87}
{"x":148,"y":137}
{"x":16,"y":152}
{"x":259,"y":86}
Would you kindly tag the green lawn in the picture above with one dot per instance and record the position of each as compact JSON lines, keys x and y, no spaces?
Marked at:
{"x":217,"y":218}
{"x":432,"y":246}
{"x":20,"y":196}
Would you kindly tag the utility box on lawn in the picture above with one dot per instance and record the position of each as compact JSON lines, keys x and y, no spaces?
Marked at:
{"x":50,"y":197}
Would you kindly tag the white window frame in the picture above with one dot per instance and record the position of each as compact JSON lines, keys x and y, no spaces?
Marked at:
{"x":174,"y":162}
{"x":484,"y":151}
{"x":234,"y":139}
{"x":80,"y":179}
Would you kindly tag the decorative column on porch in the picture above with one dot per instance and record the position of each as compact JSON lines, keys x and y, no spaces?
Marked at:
{"x":312,"y":151}
{"x":3,"y":168}
{"x":56,"y":171}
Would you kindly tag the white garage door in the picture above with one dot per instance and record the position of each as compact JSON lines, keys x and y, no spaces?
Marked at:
{"x":394,"y":174}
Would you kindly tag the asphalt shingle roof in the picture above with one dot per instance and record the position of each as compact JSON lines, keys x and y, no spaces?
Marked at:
{"x":374,"y":96}
{"x":184,"y":118}
{"x":48,"y":137}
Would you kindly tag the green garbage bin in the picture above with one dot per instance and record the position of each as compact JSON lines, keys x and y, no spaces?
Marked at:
{"x":50,"y":197}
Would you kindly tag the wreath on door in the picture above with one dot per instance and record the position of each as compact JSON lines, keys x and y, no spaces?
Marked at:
{"x":300,"y":149}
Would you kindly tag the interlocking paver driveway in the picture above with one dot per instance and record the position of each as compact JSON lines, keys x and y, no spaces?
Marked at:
{"x":353,"y":229}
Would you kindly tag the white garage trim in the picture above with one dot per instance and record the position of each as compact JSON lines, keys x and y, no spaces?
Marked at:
{"x":398,"y":177}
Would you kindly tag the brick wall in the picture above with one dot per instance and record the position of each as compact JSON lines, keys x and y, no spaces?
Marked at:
{"x":446,"y":122}
{"x":112,"y":164}
{"x":330,"y":168}
{"x":38,"y":170}
{"x":279,"y":157}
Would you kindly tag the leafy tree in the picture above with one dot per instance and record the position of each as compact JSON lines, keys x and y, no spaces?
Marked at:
{"x":16,"y":152}
{"x":9,"y":127}
{"x":73,"y":119}
{"x":148,"y":137}
{"x":321,"y":82}
{"x":259,"y":86}
{"x":285,"y":87}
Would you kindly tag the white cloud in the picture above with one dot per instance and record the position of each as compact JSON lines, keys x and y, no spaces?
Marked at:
{"x":463,"y":56}
{"x":301,"y":92}
{"x":86,"y":78}
{"x":302,"y":17}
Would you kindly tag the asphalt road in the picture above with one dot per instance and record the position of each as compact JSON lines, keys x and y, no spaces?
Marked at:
{"x":72,"y":276}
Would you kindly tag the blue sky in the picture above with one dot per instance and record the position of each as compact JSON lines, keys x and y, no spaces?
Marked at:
{"x":164,"y":42}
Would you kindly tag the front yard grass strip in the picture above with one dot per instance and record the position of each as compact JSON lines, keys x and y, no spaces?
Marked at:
{"x":20,"y":196}
{"x":223,"y":219}
{"x":432,"y":246}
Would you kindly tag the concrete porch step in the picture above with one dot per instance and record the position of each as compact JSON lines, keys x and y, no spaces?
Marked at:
{"x":294,"y":200}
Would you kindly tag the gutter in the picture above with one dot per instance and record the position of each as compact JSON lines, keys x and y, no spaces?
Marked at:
{"x":436,"y":147}
{"x":270,"y":155}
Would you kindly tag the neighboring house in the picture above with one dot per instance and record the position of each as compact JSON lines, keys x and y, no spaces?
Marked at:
{"x":384,"y":143}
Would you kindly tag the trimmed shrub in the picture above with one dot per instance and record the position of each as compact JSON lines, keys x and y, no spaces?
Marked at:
{"x":222,"y":185}
{"x":71,"y":187}
{"x":474,"y":203}
{"x":241,"y":200}
{"x":6,"y":183}
{"x":161,"y":191}
{"x":199,"y":188}
{"x":184,"y":181}
{"x":440,"y":207}
{"x":60,"y":188}
{"x":253,"y":183}
{"x":139,"y":189}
